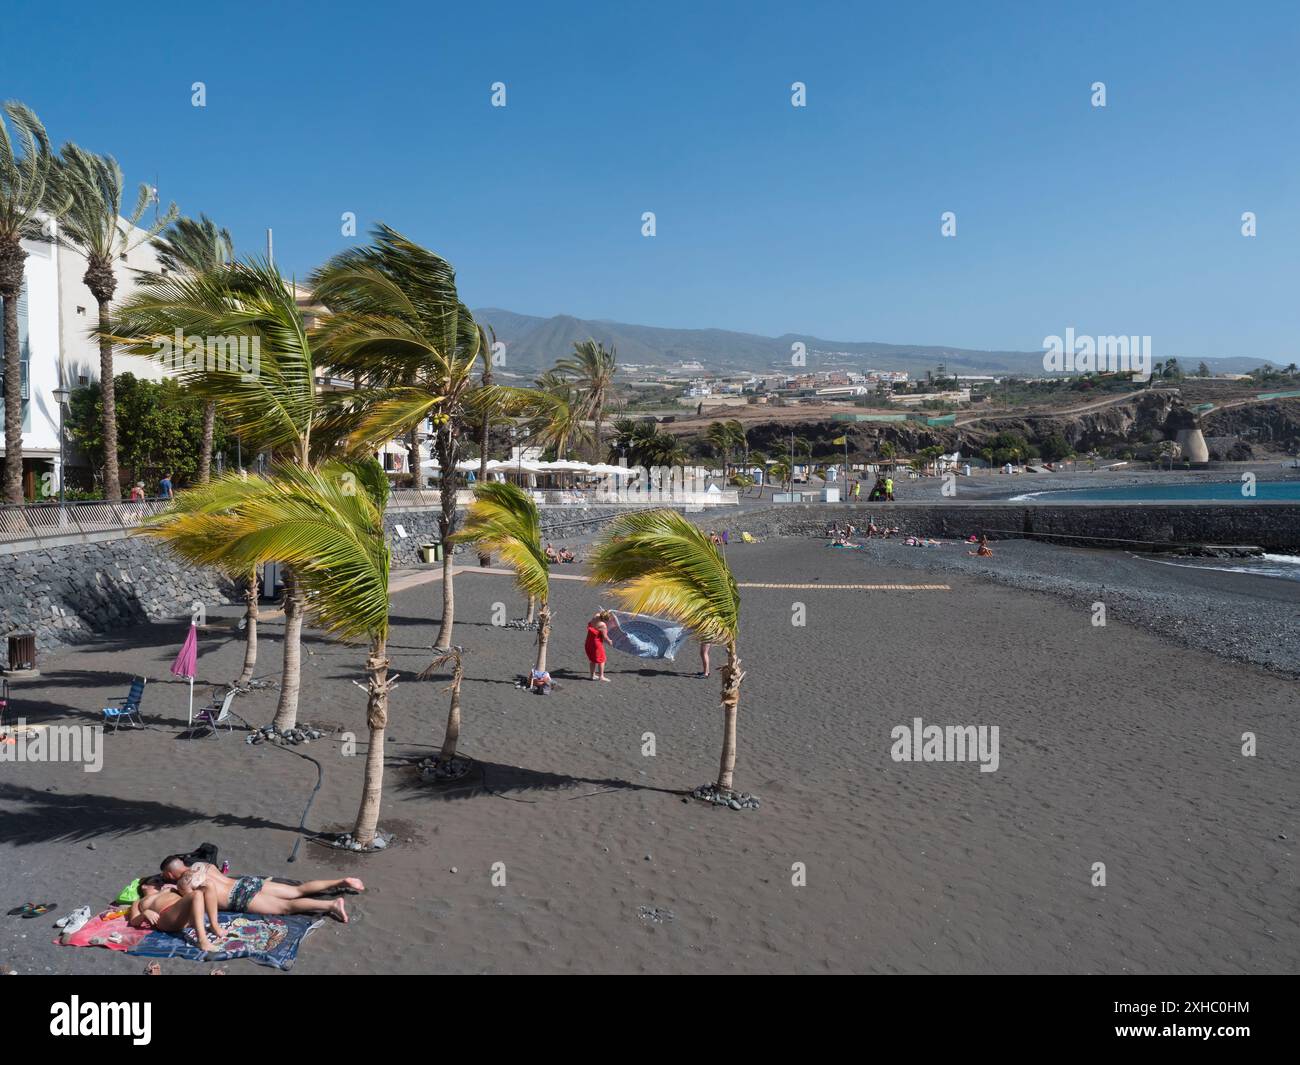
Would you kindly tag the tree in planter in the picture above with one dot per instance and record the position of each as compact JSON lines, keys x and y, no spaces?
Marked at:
{"x":662,"y":564}
{"x":328,"y":524}
{"x":86,"y":195}
{"x":503,"y":518}
{"x":451,"y":735}
{"x":24,"y":193}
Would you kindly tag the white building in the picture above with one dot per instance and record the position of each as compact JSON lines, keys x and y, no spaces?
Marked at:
{"x":56,"y":316}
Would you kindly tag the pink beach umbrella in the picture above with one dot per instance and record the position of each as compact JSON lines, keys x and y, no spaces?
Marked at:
{"x":186,"y":664}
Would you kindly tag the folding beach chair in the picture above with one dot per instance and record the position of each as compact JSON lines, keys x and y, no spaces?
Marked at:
{"x":127,"y":709}
{"x":217,"y":712}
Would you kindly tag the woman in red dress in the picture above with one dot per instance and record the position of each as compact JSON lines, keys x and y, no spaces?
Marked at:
{"x":597,"y":637}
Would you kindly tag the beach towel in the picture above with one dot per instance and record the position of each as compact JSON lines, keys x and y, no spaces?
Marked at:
{"x":108,"y":930}
{"x":271,"y":941}
{"x":645,"y":636}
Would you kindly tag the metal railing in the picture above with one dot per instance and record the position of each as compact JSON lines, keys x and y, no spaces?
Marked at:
{"x":48,"y":521}
{"x":39,"y":522}
{"x":411,"y":499}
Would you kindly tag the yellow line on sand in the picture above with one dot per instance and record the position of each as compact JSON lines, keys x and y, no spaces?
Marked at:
{"x":855,"y":587}
{"x":411,"y":580}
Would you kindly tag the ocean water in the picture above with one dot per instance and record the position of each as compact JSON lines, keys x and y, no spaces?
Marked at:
{"x":1208,"y":492}
{"x":1281,"y":567}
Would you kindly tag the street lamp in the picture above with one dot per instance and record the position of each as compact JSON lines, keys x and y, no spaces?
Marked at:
{"x":61,"y":398}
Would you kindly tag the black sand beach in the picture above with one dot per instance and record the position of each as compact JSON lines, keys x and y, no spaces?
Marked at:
{"x":1116,"y":746}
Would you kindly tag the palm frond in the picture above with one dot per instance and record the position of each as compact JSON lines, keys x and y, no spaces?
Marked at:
{"x":503,"y":518}
{"x":315,"y":520}
{"x":664,"y":565}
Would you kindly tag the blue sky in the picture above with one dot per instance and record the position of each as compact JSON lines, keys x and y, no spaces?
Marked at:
{"x":771,"y":219}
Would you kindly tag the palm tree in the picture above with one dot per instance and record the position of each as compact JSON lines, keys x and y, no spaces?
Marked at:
{"x":196,"y":247}
{"x":454,"y":655}
{"x":24,"y":193}
{"x":250,"y":628}
{"x":503,"y":518}
{"x":557,"y":409}
{"x":277,"y":406}
{"x":664,"y":565}
{"x":721,"y":439}
{"x":594,"y":368}
{"x":89,"y":189}
{"x":328,"y":524}
{"x":396,"y":319}
{"x":486,"y":344}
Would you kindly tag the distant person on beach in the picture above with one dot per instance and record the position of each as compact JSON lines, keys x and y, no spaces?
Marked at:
{"x":597,"y":637}
{"x":704,"y":660}
{"x":137,"y":492}
{"x":984,"y":550}
{"x":260,"y":894}
{"x":857,"y":491}
{"x":165,"y":487}
{"x":551,"y":555}
{"x":889,"y":489}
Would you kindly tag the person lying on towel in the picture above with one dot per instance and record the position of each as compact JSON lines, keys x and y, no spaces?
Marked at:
{"x":174,"y":907}
{"x":259,"y":894}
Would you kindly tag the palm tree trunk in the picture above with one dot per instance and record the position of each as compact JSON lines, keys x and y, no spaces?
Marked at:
{"x":372,"y":790}
{"x":250,"y":631}
{"x":449,"y":741}
{"x":731,"y":678}
{"x":205,"y":450}
{"x":532,"y":609}
{"x":446,"y":526}
{"x":286,"y":711}
{"x":413,"y":460}
{"x":543,"y":635}
{"x":112,"y":479}
{"x":485,"y":427}
{"x":12,"y":256}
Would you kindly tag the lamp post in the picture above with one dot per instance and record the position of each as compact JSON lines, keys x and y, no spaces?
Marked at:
{"x":61,"y":398}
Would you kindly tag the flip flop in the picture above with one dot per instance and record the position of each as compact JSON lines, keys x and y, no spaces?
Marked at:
{"x":41,"y":910}
{"x":21,"y":911}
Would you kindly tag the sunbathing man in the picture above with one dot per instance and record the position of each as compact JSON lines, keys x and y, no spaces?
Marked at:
{"x":173,"y":908}
{"x":260,"y":894}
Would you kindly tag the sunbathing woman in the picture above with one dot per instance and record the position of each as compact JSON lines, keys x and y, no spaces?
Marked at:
{"x":260,"y":894}
{"x":169,"y":908}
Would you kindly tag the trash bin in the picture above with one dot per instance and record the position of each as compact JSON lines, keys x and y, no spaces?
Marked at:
{"x":22,"y":652}
{"x":431,"y":552}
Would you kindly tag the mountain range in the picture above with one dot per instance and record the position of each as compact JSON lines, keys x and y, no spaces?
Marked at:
{"x":533,"y":344}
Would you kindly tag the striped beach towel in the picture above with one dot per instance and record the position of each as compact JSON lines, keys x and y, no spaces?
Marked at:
{"x":645,"y":636}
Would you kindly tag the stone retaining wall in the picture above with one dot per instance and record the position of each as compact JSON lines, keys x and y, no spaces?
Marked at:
{"x":75,"y":592}
{"x":1272,"y":526}
{"x":79,"y":592}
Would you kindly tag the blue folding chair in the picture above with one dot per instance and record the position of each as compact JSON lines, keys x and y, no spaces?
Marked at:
{"x":127,"y":709}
